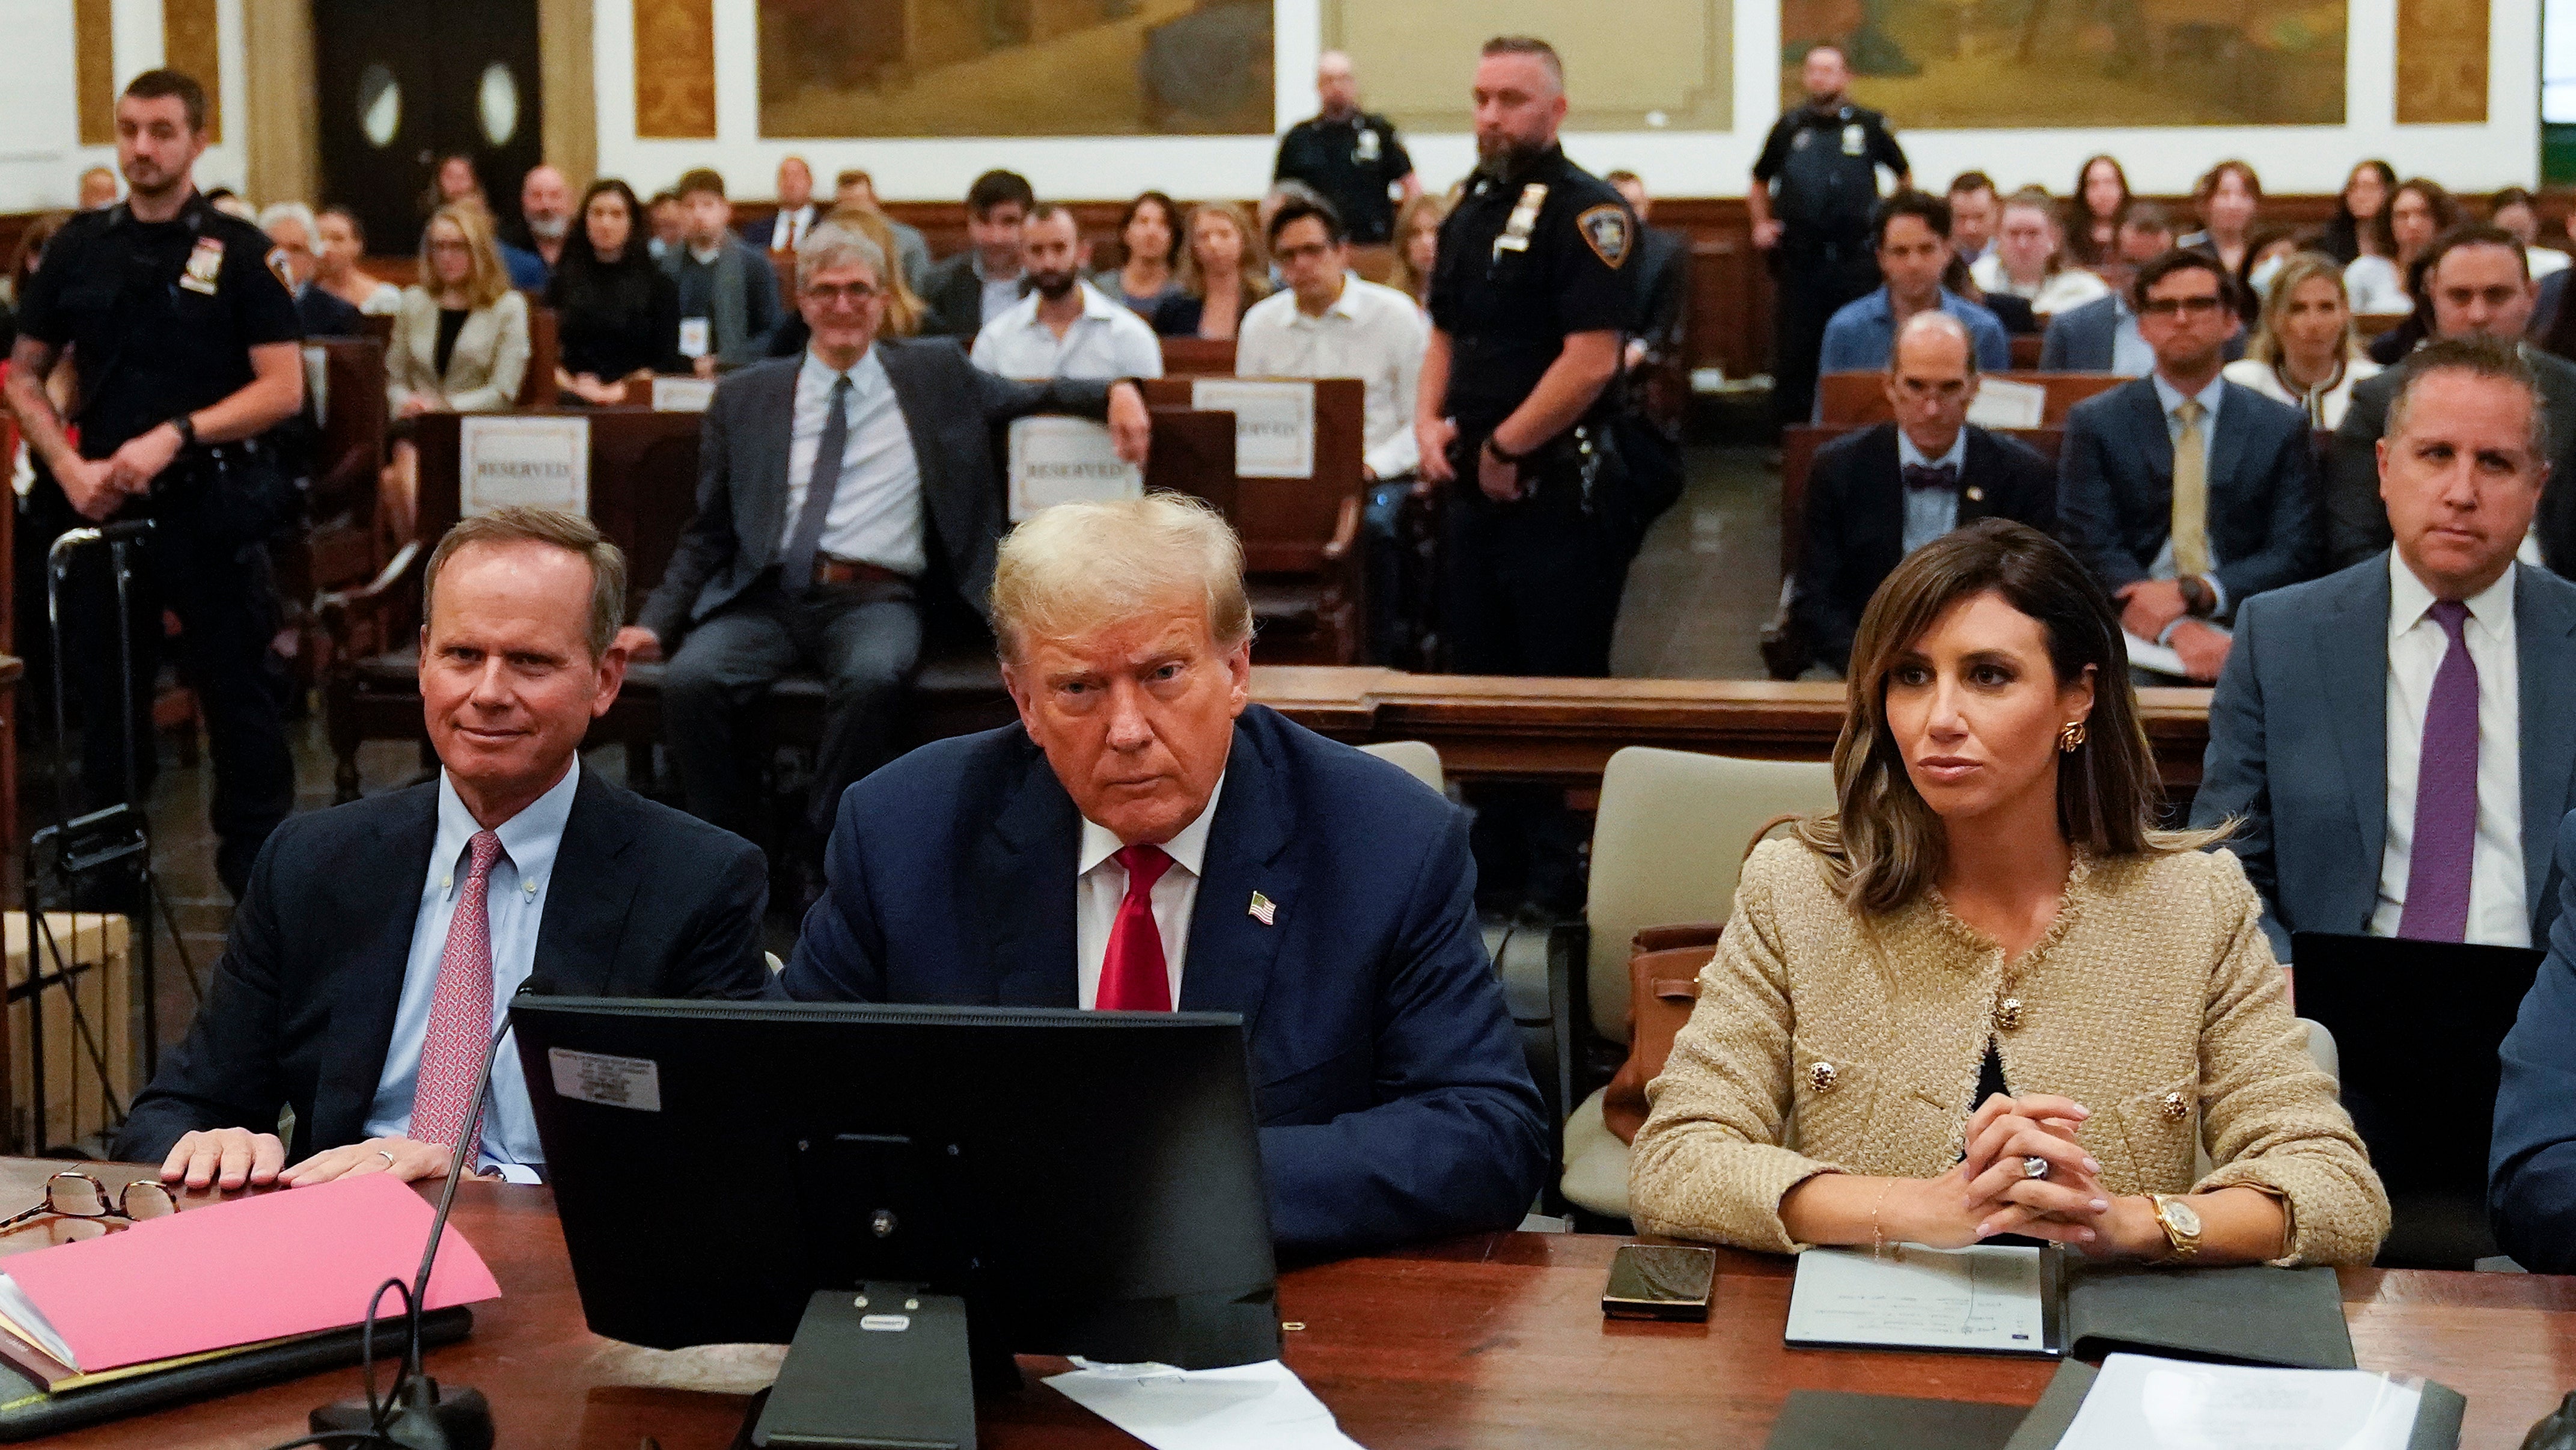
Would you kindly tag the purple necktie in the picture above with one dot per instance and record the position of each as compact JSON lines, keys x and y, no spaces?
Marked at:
{"x":2446,"y":794}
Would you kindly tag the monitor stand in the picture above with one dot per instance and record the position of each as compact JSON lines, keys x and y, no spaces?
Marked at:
{"x":885,"y":1366}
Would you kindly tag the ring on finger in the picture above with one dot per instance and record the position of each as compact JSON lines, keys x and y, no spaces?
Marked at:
{"x":2034,"y":1166}
{"x":389,"y":1159}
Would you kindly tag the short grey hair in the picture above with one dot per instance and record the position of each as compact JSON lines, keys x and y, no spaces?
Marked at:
{"x":292,"y":211}
{"x":1073,"y":568}
{"x":569,"y":532}
{"x":832,"y":245}
{"x":2478,"y":357}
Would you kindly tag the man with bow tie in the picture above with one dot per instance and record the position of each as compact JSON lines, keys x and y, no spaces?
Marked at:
{"x":1879,"y":494}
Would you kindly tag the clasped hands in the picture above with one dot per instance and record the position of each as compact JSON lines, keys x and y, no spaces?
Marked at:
{"x":1990,"y":1191}
{"x":98,"y":487}
{"x":230,"y":1158}
{"x":2149,"y":605}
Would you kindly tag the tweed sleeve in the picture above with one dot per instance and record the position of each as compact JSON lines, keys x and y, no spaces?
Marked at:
{"x":2269,"y":1116}
{"x":1709,"y":1162}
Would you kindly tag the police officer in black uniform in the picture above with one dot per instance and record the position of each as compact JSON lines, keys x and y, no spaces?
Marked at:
{"x":1350,"y":157}
{"x":185,"y":339}
{"x":1824,"y":158}
{"x":1529,"y":307}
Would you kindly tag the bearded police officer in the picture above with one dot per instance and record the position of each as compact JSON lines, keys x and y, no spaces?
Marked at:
{"x":1529,"y":301}
{"x":1823,"y":157}
{"x":186,"y":343}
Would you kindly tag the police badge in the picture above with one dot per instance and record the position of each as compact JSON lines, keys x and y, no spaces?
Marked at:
{"x":1605,"y":230}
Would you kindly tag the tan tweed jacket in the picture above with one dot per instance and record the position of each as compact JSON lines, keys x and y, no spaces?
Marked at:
{"x":2153,"y":1000}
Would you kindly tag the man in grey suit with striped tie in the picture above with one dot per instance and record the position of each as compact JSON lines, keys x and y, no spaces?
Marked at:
{"x":836,"y":491}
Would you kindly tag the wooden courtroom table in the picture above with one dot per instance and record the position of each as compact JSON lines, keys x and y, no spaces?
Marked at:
{"x":1493,"y":1340}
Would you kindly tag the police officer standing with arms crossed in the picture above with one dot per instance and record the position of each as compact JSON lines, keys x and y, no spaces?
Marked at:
{"x":188,"y":350}
{"x":1528,"y":306}
{"x":1824,"y":157}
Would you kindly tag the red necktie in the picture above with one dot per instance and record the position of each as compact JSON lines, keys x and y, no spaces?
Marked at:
{"x":460,"y":1013}
{"x":1132,"y":976}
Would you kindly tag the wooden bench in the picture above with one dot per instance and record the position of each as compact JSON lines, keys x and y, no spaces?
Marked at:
{"x":1861,"y":397}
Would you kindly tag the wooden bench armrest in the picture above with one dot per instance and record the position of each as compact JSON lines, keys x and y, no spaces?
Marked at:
{"x":1346,"y":530}
{"x":334,"y":606}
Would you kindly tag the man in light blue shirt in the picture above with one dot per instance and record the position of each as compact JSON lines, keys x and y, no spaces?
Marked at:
{"x":1911,"y":233}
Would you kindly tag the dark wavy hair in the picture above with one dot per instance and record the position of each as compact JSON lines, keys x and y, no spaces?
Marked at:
{"x":1171,"y":223}
{"x":580,"y":256}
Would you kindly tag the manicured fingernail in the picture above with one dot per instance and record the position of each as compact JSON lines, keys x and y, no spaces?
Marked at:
{"x":1985,"y":1229}
{"x":2092,"y":1167}
{"x":2085,"y":1234}
{"x":2082,"y":1111}
{"x":2100,"y":1206}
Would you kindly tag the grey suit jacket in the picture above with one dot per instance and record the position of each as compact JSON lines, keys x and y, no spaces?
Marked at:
{"x":747,"y":308}
{"x":2298,"y":745}
{"x":950,"y":408}
{"x":2356,"y":522}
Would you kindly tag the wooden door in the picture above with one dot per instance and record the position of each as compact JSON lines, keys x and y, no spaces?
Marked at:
{"x":401,"y":85}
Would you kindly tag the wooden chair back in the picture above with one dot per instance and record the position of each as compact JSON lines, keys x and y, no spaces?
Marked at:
{"x":1859,"y":399}
{"x":1198,"y":357}
{"x":545,"y":350}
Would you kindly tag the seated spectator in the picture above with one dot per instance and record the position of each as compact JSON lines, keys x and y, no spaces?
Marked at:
{"x":98,"y":188}
{"x":1330,"y":323}
{"x":1223,"y":271}
{"x":1417,"y":246}
{"x":670,"y":223}
{"x":2187,"y":494}
{"x":796,"y":214}
{"x":1661,"y":274}
{"x":2228,"y":196}
{"x":1881,"y":493}
{"x":1911,"y":234}
{"x":617,"y":313}
{"x":982,"y":282}
{"x":1974,"y":212}
{"x":2332,"y":737}
{"x":460,"y":342}
{"x":2094,"y":213}
{"x":904,"y":309}
{"x":335,"y":265}
{"x":291,"y":229}
{"x":2102,"y":336}
{"x":2360,"y":224}
{"x":1071,"y":851}
{"x":361,"y":983}
{"x":856,"y":190}
{"x":825,"y":485}
{"x":1990,"y":950}
{"x":1149,"y":234}
{"x":2305,"y":352}
{"x":545,"y":222}
{"x":232,"y":203}
{"x":2518,"y":211}
{"x":1064,"y":327}
{"x":2531,"y":1162}
{"x":2028,"y":260}
{"x":728,"y":291}
{"x":2266,"y":249}
{"x":1651,"y":407}
{"x":2418,"y":211}
{"x":2477,"y":288}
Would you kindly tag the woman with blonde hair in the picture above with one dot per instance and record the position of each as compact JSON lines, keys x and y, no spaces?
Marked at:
{"x":1223,"y":272}
{"x":460,"y":342}
{"x":1985,"y":995}
{"x":2305,"y":351}
{"x":1417,"y":245}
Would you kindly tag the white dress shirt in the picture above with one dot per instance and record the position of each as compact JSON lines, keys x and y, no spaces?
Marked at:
{"x":2376,"y":286}
{"x":1370,"y":332}
{"x":2498,"y":914}
{"x":1930,"y":513}
{"x":1108,"y":341}
{"x":515,"y":905}
{"x":1100,"y":885}
{"x":790,"y":226}
{"x":2063,"y":290}
{"x":876,"y":507}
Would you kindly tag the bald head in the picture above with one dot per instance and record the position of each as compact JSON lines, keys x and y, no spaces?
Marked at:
{"x":1933,"y":339}
{"x":1337,"y":86}
{"x":1931,"y":380}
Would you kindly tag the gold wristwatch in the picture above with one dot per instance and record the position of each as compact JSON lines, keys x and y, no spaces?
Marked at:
{"x":2181,"y":1223}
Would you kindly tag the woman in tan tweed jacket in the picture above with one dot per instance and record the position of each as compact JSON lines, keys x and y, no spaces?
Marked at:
{"x":1984,"y":996}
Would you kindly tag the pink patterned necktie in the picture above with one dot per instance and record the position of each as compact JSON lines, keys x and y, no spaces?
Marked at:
{"x":460,"y":1014}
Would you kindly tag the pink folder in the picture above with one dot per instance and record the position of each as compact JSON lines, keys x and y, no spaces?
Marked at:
{"x":292,"y":1262}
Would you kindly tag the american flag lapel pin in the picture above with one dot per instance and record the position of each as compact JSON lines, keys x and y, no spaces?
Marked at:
{"x":1263,"y":910}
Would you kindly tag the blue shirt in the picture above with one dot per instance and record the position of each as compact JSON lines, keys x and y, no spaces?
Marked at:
{"x":2130,"y":355}
{"x":527,"y":269}
{"x":1931,"y":512}
{"x":1863,"y":335}
{"x":515,"y":900}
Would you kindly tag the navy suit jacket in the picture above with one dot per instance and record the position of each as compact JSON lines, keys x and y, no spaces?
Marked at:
{"x":2115,"y":489}
{"x":2298,"y":745}
{"x":2084,"y":339}
{"x":1394,"y":1101}
{"x":2531,"y":1165}
{"x":645,"y":902}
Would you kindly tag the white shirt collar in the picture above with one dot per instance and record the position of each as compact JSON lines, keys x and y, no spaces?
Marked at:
{"x":1908,"y":454}
{"x":530,"y":838}
{"x":1096,"y":306}
{"x":1188,"y":849}
{"x":2409,"y":601}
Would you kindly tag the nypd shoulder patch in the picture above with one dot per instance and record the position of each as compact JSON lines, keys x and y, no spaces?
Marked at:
{"x":277,"y":264}
{"x":1605,"y":230}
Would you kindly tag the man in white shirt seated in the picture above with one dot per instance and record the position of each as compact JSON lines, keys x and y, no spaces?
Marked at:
{"x":1329,"y":323}
{"x":1064,"y":327}
{"x":2026,"y":260}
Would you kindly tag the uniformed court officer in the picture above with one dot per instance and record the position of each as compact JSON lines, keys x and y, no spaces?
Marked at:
{"x":187,"y":346}
{"x":1350,"y":157}
{"x":1823,"y":157}
{"x":1529,"y":304}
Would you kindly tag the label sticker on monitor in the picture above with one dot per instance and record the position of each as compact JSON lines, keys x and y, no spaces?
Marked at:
{"x":885,"y":1323}
{"x":616,"y":1082}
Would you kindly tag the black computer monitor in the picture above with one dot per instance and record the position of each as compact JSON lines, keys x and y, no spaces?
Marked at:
{"x":1088,"y":1182}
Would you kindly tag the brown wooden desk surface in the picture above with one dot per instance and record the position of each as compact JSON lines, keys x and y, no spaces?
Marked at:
{"x":1489,"y":1341}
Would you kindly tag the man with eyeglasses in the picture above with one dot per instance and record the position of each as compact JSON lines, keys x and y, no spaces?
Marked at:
{"x":815,"y":541}
{"x":2479,"y":280}
{"x":2186,"y":493}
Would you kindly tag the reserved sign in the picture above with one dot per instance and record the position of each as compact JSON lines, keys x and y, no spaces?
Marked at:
{"x":523,"y":462}
{"x":1066,"y":460}
{"x":1274,"y":424}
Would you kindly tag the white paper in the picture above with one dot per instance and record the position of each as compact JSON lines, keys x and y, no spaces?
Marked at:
{"x":683,"y":395}
{"x":2143,"y":1403}
{"x":694,"y":337}
{"x":1066,"y":460}
{"x":31,"y":1323}
{"x":317,"y":383}
{"x":1250,"y":1407}
{"x":2003,"y":403}
{"x":1274,"y":424}
{"x":2146,"y":654}
{"x":1985,"y":1297}
{"x":529,"y":462}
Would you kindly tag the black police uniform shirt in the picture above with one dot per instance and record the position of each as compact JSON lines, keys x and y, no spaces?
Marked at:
{"x":1352,"y":162}
{"x":1524,"y":262}
{"x":1827,"y":165}
{"x":160,"y":316}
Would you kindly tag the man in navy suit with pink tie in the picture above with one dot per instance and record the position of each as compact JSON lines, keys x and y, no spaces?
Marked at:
{"x":1147,"y":839}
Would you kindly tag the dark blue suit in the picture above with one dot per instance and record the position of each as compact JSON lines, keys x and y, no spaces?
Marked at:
{"x":1394,"y":1102}
{"x":2531,"y":1167}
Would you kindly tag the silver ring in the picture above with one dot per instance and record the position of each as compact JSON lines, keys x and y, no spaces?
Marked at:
{"x":390,"y":1163}
{"x":2034,"y":1167}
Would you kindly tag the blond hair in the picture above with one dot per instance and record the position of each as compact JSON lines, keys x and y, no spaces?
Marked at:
{"x":487,"y":281}
{"x":1403,"y":278}
{"x":566,"y":531}
{"x":1070,"y":569}
{"x":2300,"y":268}
{"x":1253,"y":266}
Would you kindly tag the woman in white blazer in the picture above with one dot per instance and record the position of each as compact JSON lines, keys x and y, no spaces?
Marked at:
{"x":2305,"y":351}
{"x":460,"y":342}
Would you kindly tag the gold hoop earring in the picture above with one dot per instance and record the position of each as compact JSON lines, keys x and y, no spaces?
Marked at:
{"x":2070,"y":737}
